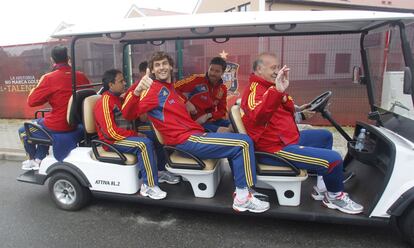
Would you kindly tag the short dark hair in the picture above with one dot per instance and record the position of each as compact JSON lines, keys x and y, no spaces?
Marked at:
{"x":142,"y":67}
{"x":60,"y":54}
{"x":109,"y":77}
{"x":160,"y":55}
{"x":219,"y":61}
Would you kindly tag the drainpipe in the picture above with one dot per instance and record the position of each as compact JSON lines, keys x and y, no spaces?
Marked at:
{"x":262,"y":5}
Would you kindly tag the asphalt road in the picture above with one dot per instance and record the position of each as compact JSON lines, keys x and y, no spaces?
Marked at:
{"x":28,"y":218}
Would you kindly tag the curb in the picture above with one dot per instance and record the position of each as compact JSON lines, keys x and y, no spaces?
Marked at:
{"x":12,"y":154}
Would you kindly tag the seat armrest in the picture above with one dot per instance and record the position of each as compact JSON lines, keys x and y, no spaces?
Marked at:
{"x":121,"y":160}
{"x":170,"y":149}
{"x":42,"y":112}
{"x":34,"y":140}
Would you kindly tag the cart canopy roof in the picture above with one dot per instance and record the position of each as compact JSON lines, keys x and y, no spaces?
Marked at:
{"x":233,"y":24}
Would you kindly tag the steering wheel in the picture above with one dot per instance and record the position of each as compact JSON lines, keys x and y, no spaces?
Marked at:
{"x":319,"y":103}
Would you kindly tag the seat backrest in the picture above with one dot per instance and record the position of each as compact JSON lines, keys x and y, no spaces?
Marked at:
{"x":158,"y":135}
{"x":74,"y":113}
{"x":88,"y":114}
{"x":236,"y":119}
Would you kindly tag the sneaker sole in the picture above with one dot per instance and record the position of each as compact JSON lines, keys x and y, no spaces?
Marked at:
{"x":262,"y":197}
{"x":317,"y":197}
{"x":333,"y":206}
{"x":152,"y":197}
{"x":240,"y":209}
{"x":169,"y":182}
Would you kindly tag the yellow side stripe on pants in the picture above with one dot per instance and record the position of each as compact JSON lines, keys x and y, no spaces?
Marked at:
{"x":32,"y":129}
{"x":304,"y":159}
{"x":230,"y":142}
{"x":144,"y":128}
{"x":145,"y":158}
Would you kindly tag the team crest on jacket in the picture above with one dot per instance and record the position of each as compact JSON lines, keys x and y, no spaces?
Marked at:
{"x":230,"y":79}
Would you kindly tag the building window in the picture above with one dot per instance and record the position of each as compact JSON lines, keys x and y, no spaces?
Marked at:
{"x":244,"y":7}
{"x":342,"y":62}
{"x":316,"y":63}
{"x":230,"y":10}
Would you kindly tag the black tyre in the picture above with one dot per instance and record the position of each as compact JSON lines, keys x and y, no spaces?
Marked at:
{"x":406,"y":225}
{"x":67,"y":192}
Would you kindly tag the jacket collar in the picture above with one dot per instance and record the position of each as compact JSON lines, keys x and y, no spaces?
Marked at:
{"x":60,"y":66}
{"x":260,"y":80}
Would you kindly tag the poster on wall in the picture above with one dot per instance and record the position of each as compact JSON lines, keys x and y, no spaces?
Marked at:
{"x":21,"y":67}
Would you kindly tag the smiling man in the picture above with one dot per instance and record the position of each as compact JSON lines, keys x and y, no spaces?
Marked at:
{"x":167,"y":111}
{"x":269,"y":118}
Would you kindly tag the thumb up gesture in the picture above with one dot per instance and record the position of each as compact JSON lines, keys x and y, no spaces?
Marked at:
{"x":144,"y":84}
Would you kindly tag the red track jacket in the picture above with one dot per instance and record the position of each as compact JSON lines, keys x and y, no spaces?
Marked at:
{"x":165,"y":109}
{"x":107,"y":110}
{"x":55,"y":88}
{"x":268,"y":121}
{"x":205,"y":97}
{"x":132,"y":87}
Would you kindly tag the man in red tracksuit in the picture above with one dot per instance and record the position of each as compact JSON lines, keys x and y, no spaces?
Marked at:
{"x":207,"y":97}
{"x":54,"y":88}
{"x":114,"y":129}
{"x":167,"y":111}
{"x":144,"y":126}
{"x":269,"y":118}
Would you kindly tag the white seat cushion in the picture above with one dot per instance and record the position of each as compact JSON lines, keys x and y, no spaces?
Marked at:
{"x":184,"y":161}
{"x":270,"y":168}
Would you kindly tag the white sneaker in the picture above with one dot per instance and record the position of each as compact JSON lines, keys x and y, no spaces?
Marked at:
{"x":343,"y":203}
{"x":168,"y":177}
{"x":252,"y":204}
{"x":256,"y":194}
{"x":152,"y":192}
{"x":318,"y":194}
{"x":30,"y":165}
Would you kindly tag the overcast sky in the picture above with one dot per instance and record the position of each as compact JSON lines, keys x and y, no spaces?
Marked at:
{"x":30,"y":21}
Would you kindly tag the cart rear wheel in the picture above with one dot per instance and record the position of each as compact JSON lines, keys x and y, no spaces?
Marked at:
{"x":67,"y":192}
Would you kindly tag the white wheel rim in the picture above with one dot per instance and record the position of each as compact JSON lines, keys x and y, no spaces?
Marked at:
{"x":64,"y":192}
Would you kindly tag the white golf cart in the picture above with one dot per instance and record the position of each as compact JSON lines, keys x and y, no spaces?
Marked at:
{"x":384,"y":169}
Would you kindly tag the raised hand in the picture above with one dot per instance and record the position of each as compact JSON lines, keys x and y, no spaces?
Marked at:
{"x":282,"y":79}
{"x":144,"y":84}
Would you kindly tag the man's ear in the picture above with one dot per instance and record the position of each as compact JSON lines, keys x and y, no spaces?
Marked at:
{"x":259,"y":69}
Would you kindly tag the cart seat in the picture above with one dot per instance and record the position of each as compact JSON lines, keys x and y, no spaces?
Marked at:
{"x":65,"y":141}
{"x":98,"y":152}
{"x":204,"y":175}
{"x":284,"y":178}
